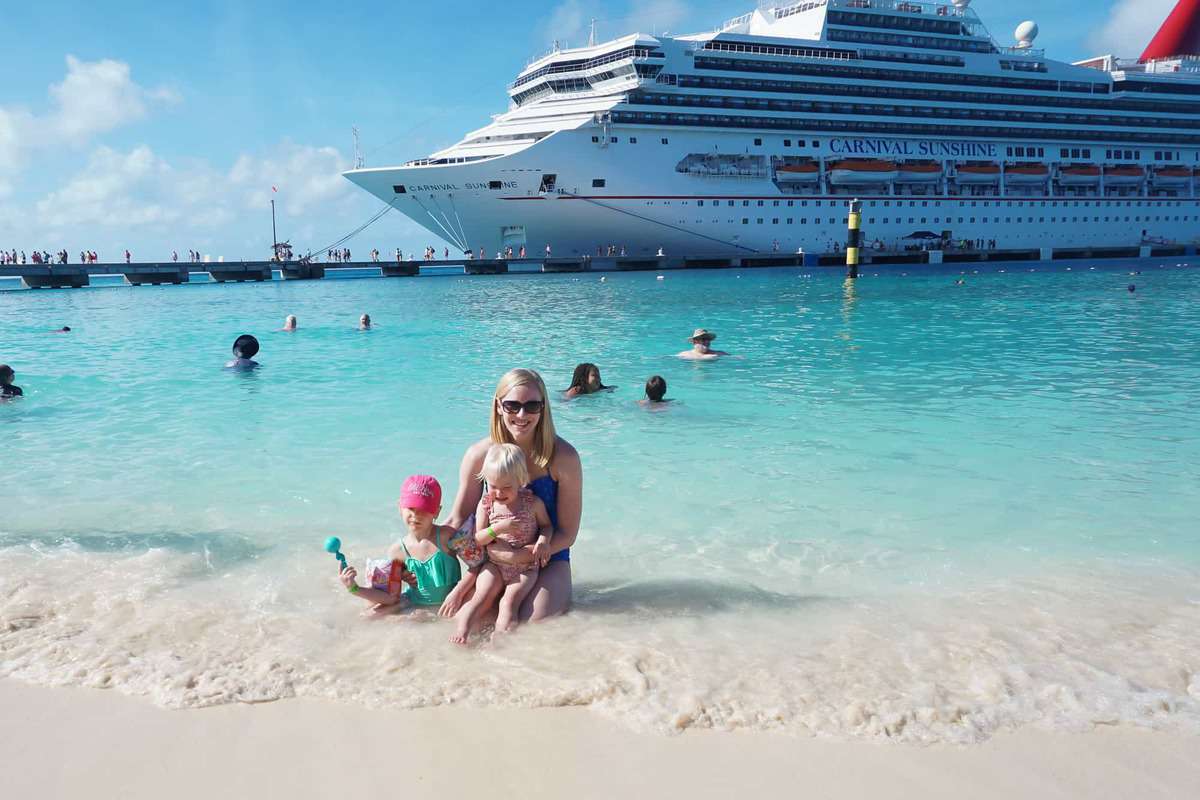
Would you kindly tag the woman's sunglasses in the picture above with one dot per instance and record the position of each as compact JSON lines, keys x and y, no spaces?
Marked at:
{"x":514,"y":407}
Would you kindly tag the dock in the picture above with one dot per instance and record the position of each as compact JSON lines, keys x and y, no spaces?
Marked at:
{"x":76,"y":276}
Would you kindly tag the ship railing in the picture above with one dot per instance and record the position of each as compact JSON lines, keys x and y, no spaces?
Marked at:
{"x":942,"y":9}
{"x":592,"y":63}
{"x":1030,"y":52}
{"x":771,"y":50}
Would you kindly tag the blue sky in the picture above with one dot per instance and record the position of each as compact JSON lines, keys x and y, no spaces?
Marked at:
{"x":164,"y":126}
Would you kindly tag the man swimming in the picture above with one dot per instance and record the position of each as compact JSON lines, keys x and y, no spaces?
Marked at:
{"x":701,"y":340}
{"x":245,"y":348}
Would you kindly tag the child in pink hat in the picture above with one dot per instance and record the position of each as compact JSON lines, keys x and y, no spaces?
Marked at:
{"x":421,"y":568}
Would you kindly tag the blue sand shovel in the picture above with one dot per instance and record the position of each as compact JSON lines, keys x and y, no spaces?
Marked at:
{"x":334,"y":545}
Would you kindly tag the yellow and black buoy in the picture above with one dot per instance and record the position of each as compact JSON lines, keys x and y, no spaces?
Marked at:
{"x":853,"y":238}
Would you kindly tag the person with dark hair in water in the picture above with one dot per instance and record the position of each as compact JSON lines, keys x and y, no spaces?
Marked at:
{"x":656,"y":391}
{"x":245,"y":348}
{"x":6,"y":382}
{"x":585,"y":380}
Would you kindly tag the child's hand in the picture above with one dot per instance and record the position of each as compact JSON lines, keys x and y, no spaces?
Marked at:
{"x":349,"y":577}
{"x":408,"y":577}
{"x":541,"y":552}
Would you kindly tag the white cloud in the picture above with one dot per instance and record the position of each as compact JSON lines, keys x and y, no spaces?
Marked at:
{"x":305,"y":176}
{"x":93,"y":98}
{"x":1130,"y":26}
{"x":140,"y":196}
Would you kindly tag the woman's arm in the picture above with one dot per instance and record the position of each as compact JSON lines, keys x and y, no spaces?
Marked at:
{"x":470,"y":491}
{"x":569,"y":471}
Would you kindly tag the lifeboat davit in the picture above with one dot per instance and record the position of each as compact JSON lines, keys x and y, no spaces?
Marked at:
{"x":858,"y":171}
{"x":1079,"y":175}
{"x":920,"y":172}
{"x":1124,"y":175}
{"x":797,"y":173}
{"x":1172,"y":176}
{"x":978,"y":173}
{"x":1026,"y":173}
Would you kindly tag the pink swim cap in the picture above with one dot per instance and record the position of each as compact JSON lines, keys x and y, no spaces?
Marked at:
{"x":421,"y":492}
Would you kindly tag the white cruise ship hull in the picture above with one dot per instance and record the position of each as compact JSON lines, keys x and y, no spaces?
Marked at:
{"x":681,"y":144}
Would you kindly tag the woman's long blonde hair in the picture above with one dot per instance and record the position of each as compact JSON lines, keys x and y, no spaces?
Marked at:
{"x":544,"y":435}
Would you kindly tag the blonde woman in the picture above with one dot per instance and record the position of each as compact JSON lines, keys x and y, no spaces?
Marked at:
{"x":521,"y":415}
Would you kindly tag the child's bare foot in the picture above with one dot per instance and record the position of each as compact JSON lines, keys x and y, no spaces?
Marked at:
{"x":461,"y":631}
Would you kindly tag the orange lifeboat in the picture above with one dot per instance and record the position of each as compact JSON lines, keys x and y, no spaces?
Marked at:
{"x":857,"y":171}
{"x":1172,"y":176}
{"x":979,"y":172}
{"x":920,"y":172}
{"x":1079,"y":175}
{"x":1124,"y":175}
{"x":1026,"y":173}
{"x":797,"y":173}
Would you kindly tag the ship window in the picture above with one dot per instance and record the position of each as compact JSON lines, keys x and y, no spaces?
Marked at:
{"x":596,"y":139}
{"x":664,"y":141}
{"x":787,"y":142}
{"x":759,"y":221}
{"x":760,"y":202}
{"x":613,"y":139}
{"x":789,"y":221}
{"x":1074,"y":152}
{"x":745,"y":220}
{"x":816,"y":143}
{"x":633,"y":140}
{"x":804,"y":220}
{"x":745,"y":202}
{"x":1010,"y":152}
{"x":1041,"y":151}
{"x":699,"y":202}
{"x":399,"y":189}
{"x":598,"y":183}
{"x":758,"y":142}
{"x":730,"y":202}
{"x":775,"y":221}
{"x":1087,"y":153}
{"x":1064,"y":153}
{"x":548,"y":181}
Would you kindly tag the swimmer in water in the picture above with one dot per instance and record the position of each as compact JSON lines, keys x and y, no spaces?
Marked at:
{"x":656,"y":391}
{"x":364,"y":322}
{"x":585,"y":380}
{"x":290,"y":323}
{"x":245,"y":348}
{"x":63,"y":329}
{"x":6,"y":383}
{"x":701,"y":340}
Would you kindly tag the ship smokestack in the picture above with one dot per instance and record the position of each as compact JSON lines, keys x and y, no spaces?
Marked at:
{"x":1179,"y":35}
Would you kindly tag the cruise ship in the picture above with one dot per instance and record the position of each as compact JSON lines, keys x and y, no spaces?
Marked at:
{"x":754,"y":137}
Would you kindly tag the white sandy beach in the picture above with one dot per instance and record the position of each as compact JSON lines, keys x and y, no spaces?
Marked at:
{"x":86,"y":743}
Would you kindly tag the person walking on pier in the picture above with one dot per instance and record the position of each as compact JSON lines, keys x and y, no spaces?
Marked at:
{"x":128,"y":255}
{"x":174,"y":256}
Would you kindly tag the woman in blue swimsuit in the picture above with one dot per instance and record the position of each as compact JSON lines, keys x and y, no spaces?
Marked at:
{"x":521,"y":416}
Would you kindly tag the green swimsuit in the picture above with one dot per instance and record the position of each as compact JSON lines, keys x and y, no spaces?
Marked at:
{"x":436,"y":576}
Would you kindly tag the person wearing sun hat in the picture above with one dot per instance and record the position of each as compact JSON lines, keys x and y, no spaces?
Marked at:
{"x":701,"y":340}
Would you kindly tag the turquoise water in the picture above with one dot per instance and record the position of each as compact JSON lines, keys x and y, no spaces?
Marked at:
{"x":906,"y":508}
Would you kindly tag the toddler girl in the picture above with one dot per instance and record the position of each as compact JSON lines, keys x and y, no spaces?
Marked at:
{"x":524,"y":520}
{"x":423,"y":558}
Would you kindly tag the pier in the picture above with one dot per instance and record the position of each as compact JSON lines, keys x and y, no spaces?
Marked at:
{"x":76,"y":276}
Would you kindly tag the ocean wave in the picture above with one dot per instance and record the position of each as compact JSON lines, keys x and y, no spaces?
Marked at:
{"x":1063,"y":653}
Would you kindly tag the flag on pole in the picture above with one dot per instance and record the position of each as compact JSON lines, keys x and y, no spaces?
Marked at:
{"x":273,"y":189}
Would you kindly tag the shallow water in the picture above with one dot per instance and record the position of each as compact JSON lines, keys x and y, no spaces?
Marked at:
{"x":908,"y":509}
